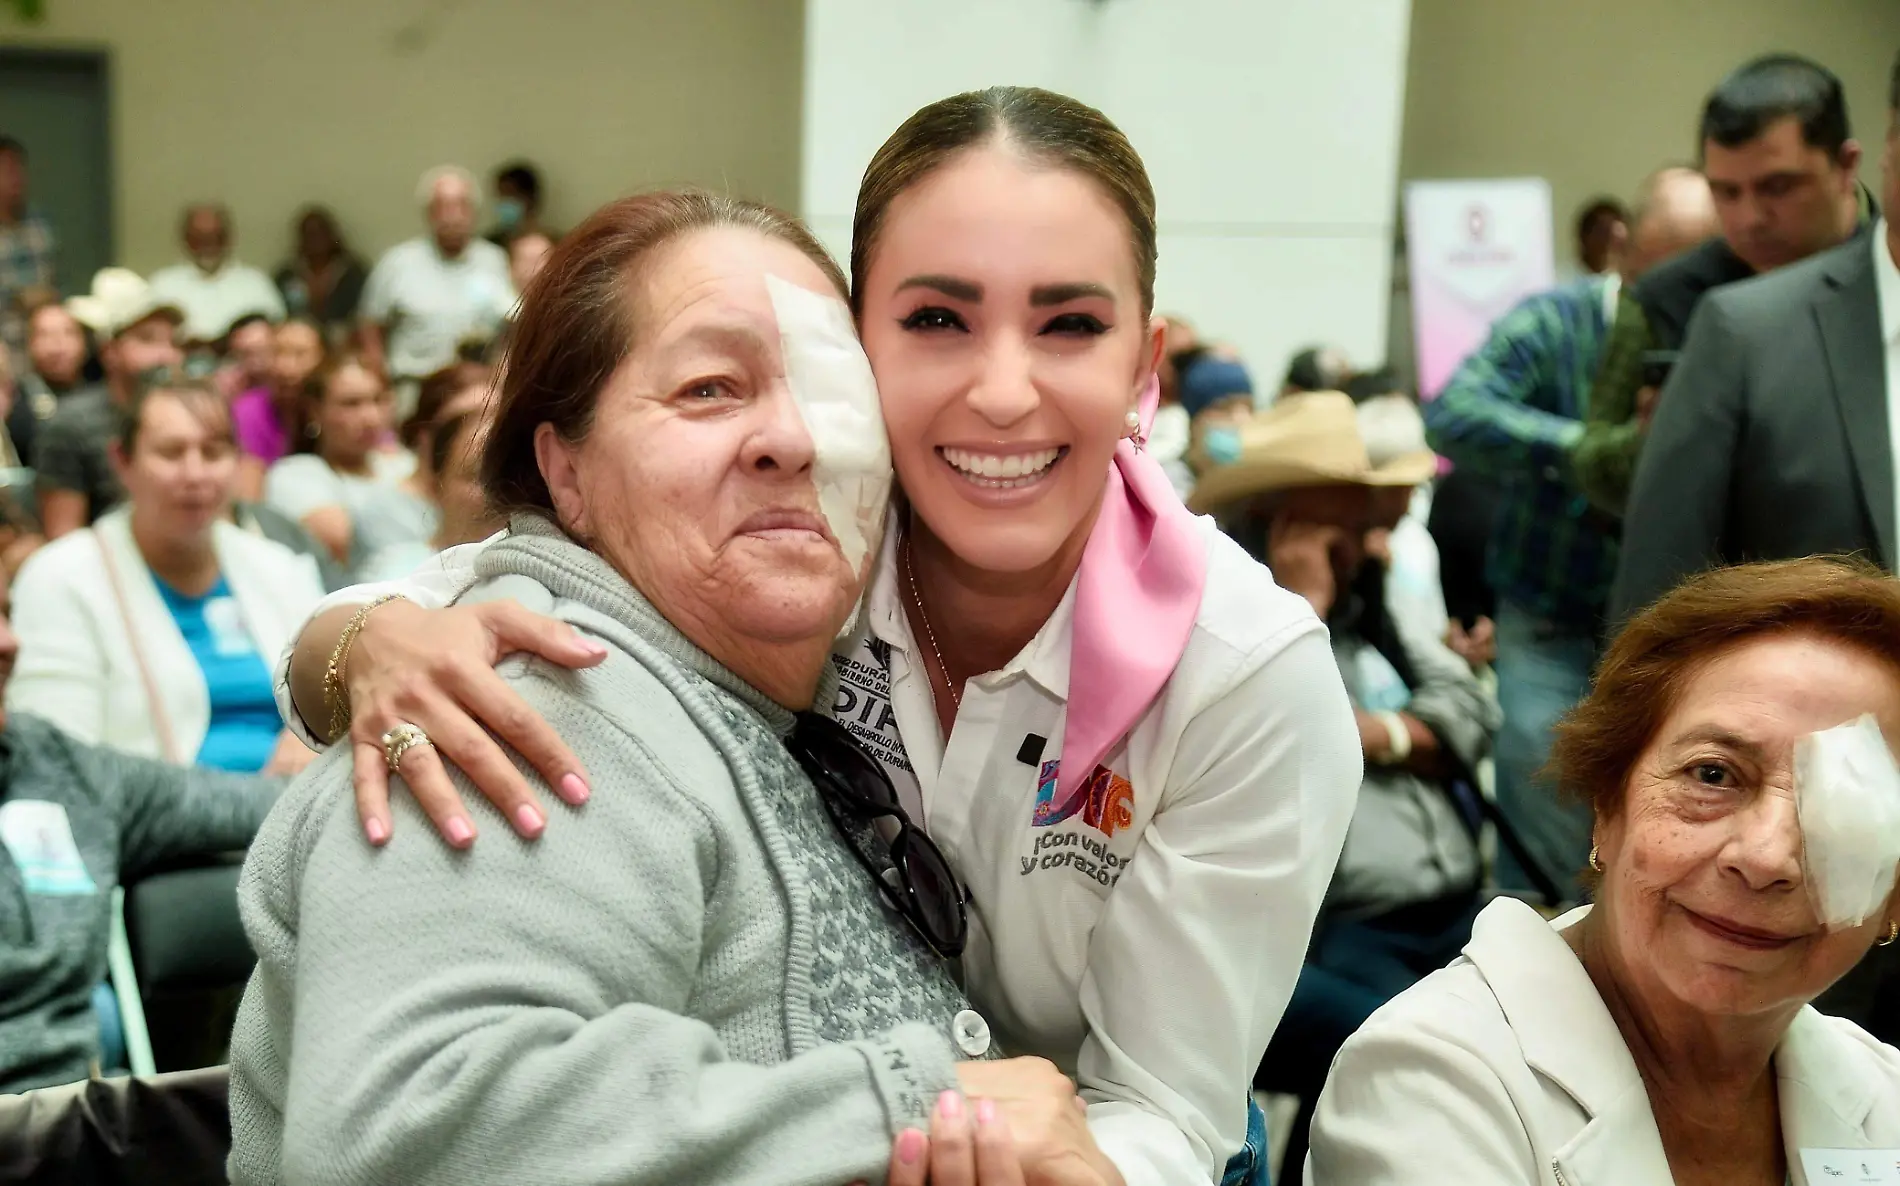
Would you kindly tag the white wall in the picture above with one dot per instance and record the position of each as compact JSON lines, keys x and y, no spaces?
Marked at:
{"x":1270,"y":128}
{"x":266,"y":104}
{"x":1593,"y":96}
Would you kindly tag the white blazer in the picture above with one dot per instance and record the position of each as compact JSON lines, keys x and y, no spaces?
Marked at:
{"x":1506,"y":1068}
{"x":77,"y":665}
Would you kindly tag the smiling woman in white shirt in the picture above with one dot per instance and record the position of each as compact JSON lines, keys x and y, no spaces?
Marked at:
{"x":153,"y":630}
{"x":1133,"y":747}
{"x":1736,"y":751}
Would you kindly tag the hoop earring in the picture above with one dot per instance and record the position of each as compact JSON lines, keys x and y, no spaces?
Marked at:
{"x":1596,"y":862}
{"x":1893,"y":933}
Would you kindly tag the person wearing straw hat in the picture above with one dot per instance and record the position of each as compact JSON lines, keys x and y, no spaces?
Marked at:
{"x":137,"y":331}
{"x":1305,"y":496}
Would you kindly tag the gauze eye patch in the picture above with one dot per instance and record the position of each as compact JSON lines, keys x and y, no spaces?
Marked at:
{"x":831,"y":383}
{"x":1847,"y":795}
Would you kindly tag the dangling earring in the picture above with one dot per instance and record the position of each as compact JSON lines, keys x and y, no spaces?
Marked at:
{"x":1132,"y":422}
{"x":1596,"y":862}
{"x":1893,"y":933}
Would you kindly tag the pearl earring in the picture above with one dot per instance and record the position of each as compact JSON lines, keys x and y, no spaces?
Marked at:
{"x":1133,"y":421}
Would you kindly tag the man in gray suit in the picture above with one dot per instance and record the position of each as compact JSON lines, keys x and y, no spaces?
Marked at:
{"x":1773,"y":439}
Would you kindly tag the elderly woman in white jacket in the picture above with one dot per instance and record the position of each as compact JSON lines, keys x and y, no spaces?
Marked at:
{"x":151,"y":630}
{"x":1746,"y":845}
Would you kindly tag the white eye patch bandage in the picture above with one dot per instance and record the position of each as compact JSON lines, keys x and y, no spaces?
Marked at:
{"x":1847,"y":795}
{"x":831,"y":383}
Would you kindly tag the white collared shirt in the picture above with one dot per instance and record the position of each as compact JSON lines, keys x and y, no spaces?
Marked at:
{"x":212,"y":301}
{"x":1507,"y":1069}
{"x":1887,"y":289}
{"x":1148,"y":944}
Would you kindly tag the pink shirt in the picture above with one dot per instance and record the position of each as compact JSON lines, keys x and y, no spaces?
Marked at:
{"x":255,"y":423}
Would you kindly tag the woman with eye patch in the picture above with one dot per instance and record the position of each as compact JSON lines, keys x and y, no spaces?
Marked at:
{"x":1132,"y":748}
{"x":1666,"y":1034}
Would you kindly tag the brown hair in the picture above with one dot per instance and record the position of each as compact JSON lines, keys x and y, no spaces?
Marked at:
{"x":199,"y":397}
{"x":435,"y":391}
{"x":577,"y":324}
{"x":1655,"y":655}
{"x":316,"y":389}
{"x":1047,"y":127}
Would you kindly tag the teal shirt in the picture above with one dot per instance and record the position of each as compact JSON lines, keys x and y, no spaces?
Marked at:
{"x":244,"y":722}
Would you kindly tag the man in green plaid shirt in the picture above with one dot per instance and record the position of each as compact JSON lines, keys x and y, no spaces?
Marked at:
{"x":1514,"y":413}
{"x":27,"y":247}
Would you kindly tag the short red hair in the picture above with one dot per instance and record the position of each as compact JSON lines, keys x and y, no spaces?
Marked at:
{"x":1642,"y":675}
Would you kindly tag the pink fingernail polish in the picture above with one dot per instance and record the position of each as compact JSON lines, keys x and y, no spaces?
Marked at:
{"x":950,"y":1105}
{"x":985,"y":1111}
{"x":461,"y":832}
{"x":530,"y":820}
{"x":376,"y":830}
{"x":574,"y":789}
{"x":910,"y":1146}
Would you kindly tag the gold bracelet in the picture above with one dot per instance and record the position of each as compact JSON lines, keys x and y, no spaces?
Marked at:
{"x":336,"y":693}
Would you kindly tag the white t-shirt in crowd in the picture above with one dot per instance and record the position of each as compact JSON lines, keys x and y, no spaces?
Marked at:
{"x":384,"y":517}
{"x":1146,"y":941}
{"x":211,"y":302}
{"x":427,"y":304}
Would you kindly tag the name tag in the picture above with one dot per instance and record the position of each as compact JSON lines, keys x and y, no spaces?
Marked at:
{"x":226,"y":623}
{"x":1852,"y":1167}
{"x":39,"y":837}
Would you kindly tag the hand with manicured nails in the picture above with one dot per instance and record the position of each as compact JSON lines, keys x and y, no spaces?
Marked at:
{"x":436,"y":669}
{"x":969,"y":1145}
{"x":1047,"y":1121}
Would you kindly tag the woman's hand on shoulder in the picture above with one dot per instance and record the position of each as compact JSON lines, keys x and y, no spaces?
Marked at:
{"x":435,"y":669}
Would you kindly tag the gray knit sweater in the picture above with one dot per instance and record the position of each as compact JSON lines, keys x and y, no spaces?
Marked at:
{"x":691,"y":981}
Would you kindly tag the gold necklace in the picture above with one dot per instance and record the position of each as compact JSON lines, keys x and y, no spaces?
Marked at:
{"x":930,"y":636}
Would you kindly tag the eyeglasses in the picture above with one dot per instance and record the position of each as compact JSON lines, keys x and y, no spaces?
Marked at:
{"x":851,"y":782}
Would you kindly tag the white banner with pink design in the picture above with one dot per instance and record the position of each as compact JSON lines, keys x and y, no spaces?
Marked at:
{"x":1473,"y":250}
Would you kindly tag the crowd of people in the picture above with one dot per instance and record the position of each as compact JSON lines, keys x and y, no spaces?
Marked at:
{"x":955,"y":724}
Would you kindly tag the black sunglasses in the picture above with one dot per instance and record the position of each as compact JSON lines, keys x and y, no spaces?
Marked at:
{"x":850,"y":781}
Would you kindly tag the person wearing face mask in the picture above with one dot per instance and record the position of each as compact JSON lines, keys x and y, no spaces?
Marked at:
{"x":213,"y":289}
{"x":517,"y":204}
{"x":150,"y":630}
{"x":1743,"y":857}
{"x":352,"y":494}
{"x":428,"y":294}
{"x":1217,"y":394}
{"x":1146,"y":818}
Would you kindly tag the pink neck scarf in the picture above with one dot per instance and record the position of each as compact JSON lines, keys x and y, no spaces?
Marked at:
{"x":1137,"y":595}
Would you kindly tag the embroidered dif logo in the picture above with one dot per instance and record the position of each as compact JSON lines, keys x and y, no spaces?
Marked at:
{"x":1107,"y":801}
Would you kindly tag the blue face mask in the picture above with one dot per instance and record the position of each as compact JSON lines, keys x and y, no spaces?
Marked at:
{"x":508,"y":212}
{"x":1222,"y":444}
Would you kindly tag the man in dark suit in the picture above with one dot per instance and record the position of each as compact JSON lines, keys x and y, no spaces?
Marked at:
{"x":1774,"y":439}
{"x":1783,"y":167}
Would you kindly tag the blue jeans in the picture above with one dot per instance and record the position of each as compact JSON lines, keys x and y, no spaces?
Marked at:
{"x":105,"y":1005}
{"x":1543,"y":671}
{"x":1249,"y":1166}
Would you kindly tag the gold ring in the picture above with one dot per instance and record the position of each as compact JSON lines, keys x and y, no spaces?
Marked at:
{"x":399,"y":741}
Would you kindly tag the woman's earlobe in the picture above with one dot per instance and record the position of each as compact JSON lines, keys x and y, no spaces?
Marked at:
{"x":555,"y":458}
